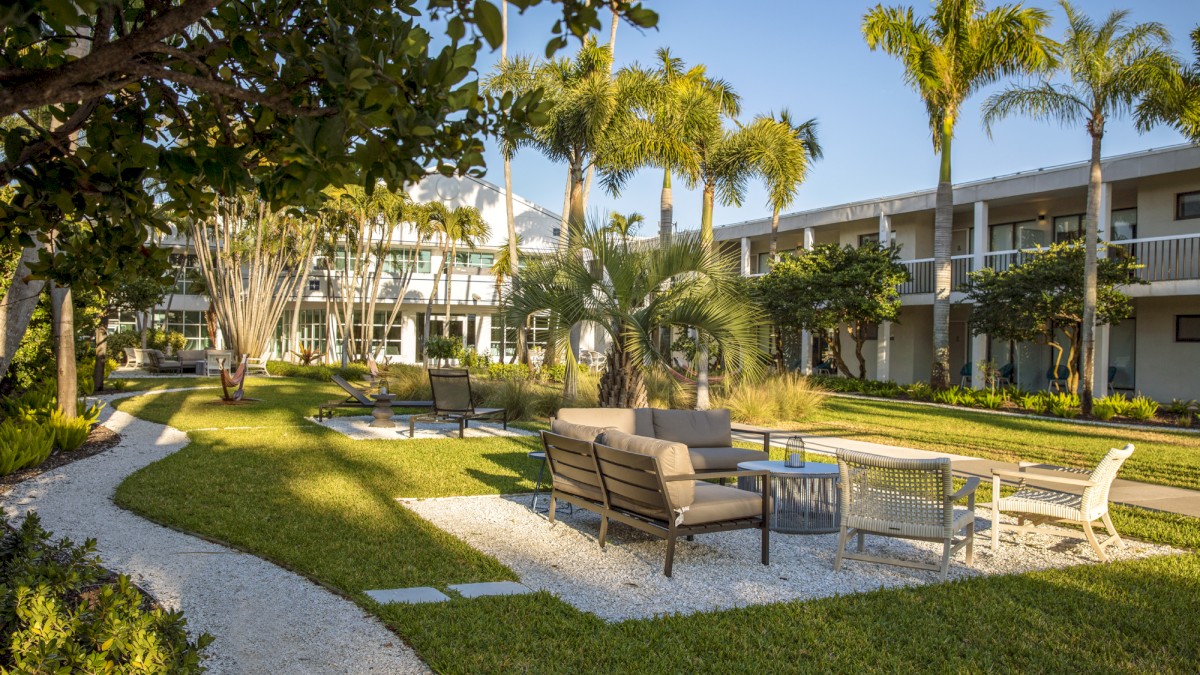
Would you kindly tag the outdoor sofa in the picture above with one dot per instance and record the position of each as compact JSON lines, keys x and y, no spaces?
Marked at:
{"x":650,"y":485}
{"x":706,"y":433}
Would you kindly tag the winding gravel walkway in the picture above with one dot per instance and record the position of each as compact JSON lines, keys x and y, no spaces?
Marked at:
{"x":265,"y":619}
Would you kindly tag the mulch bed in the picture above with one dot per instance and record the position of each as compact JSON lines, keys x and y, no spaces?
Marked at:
{"x":100,"y":439}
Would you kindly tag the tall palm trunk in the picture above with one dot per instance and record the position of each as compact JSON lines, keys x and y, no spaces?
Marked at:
{"x":513,"y":251}
{"x":437,"y":279}
{"x":63,"y":312}
{"x":774,"y":233}
{"x":450,"y":263}
{"x":943,"y":223}
{"x":101,"y":352}
{"x":706,"y":238}
{"x":1090,"y":271}
{"x":294,"y":330}
{"x":20,"y":301}
{"x":666,"y":210}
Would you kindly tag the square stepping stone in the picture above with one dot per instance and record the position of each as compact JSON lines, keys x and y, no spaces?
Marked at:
{"x":415,"y":595}
{"x":490,"y":588}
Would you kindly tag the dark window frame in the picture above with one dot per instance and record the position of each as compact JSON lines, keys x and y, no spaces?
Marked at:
{"x":1178,"y":323}
{"x":1054,"y":227}
{"x":1179,"y":205}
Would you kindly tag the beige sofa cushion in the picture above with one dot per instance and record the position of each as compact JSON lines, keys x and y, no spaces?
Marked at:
{"x":581,"y":432}
{"x":673,"y":460}
{"x":638,"y":421}
{"x":716,"y":503}
{"x":723,"y":459}
{"x":693,"y":428}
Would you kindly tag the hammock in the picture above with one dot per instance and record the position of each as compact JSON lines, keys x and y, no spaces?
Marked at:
{"x":237,"y":379}
{"x":689,"y":377}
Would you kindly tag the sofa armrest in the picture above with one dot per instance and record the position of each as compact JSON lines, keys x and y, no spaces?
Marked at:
{"x":715,"y":474}
{"x":765,"y":433}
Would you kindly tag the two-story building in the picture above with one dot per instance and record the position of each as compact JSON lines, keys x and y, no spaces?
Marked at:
{"x":1150,"y":207}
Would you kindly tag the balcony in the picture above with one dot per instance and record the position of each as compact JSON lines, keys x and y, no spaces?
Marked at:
{"x":1173,"y":258}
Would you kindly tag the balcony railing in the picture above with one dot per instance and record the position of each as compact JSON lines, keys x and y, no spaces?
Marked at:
{"x":922,"y":277}
{"x":1173,"y":258}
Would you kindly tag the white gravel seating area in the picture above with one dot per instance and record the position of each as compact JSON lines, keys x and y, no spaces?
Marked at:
{"x":359,"y":429}
{"x":264,"y":618}
{"x":721,"y":570}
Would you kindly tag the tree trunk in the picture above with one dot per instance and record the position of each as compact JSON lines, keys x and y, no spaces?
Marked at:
{"x":101,"y":352}
{"x":19,"y":303}
{"x":564,"y":226}
{"x":571,"y":369}
{"x":64,"y":348}
{"x":294,"y":332}
{"x":666,"y":210}
{"x":706,"y":238}
{"x":774,"y":235}
{"x":575,"y":222}
{"x":622,"y":384}
{"x":943,"y":223}
{"x":1090,"y":273}
{"x":858,"y":353}
{"x":835,"y":350}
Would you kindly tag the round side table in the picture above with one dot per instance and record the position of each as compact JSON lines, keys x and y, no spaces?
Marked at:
{"x":804,"y":500}
{"x":383,"y":411}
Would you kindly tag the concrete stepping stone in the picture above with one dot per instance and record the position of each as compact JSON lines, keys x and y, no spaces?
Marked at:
{"x":490,"y":588}
{"x":415,"y":595}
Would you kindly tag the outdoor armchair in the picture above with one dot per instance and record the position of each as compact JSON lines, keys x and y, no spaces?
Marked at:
{"x":357,"y":398}
{"x":161,"y":364}
{"x":454,"y":402}
{"x":1080,"y":501}
{"x":256,"y":366}
{"x":905,"y":498}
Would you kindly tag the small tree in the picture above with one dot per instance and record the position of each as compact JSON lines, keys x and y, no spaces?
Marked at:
{"x":1041,"y":300}
{"x":831,"y":287}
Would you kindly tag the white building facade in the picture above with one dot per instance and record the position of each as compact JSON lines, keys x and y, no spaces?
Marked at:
{"x":1150,"y":208}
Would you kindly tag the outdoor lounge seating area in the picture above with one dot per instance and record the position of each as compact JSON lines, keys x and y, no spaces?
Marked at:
{"x":190,"y":361}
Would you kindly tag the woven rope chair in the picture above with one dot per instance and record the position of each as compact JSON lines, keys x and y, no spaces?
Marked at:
{"x":905,"y":498}
{"x":1043,"y":505}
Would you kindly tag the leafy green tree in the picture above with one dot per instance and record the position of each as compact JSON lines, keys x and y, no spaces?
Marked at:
{"x":784,"y":163}
{"x":1041,"y":300}
{"x":1109,"y":67}
{"x":947,"y":57}
{"x":198,"y":96}
{"x":632,"y":291}
{"x":624,"y":225}
{"x":135,"y":296}
{"x":833,"y":287}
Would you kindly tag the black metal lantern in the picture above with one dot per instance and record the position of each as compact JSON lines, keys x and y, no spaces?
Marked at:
{"x":794,"y":459}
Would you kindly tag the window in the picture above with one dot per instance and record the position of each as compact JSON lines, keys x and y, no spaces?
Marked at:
{"x":1187,"y":328}
{"x":762,"y":262}
{"x":188,"y":280}
{"x":1066,"y":228}
{"x":474,"y":259}
{"x":1187,"y":205}
{"x":1002,"y":237}
{"x":872,"y":238}
{"x":1124,"y":225}
{"x":193,"y":325}
{"x":311,"y":334}
{"x":342,"y":260}
{"x":401,"y":260}
{"x":123,"y":322}
{"x":314,"y":285}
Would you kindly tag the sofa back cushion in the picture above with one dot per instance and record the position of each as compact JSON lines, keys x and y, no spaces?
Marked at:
{"x":694,"y":428}
{"x":638,"y":421}
{"x":580,"y":432}
{"x":191,"y":355}
{"x":673,"y":460}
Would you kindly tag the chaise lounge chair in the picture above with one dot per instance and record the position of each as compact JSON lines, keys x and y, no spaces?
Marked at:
{"x":453,"y":402}
{"x":358,"y":399}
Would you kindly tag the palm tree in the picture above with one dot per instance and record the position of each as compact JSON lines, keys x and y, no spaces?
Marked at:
{"x":361,"y":210}
{"x":946,"y":58}
{"x":633,"y":291}
{"x":624,"y":225}
{"x":463,"y":225}
{"x":508,"y":149}
{"x":1177,"y":102}
{"x":784,"y":162}
{"x":502,"y":270}
{"x":1109,"y":68}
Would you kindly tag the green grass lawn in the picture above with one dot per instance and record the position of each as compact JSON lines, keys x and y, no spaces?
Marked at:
{"x":323,"y":505}
{"x":1163,"y":457}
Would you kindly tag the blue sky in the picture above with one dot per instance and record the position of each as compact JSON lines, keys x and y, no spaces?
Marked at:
{"x":810,"y":57}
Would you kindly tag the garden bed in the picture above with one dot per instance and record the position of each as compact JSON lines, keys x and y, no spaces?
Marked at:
{"x":99,"y":439}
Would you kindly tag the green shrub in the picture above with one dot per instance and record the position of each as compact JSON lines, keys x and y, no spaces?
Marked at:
{"x":955,"y":395}
{"x":62,"y":612}
{"x":992,"y":400}
{"x":443,"y":348}
{"x":1141,"y":408}
{"x":1038,"y":402}
{"x":119,"y":342}
{"x":320,"y":373}
{"x":473,"y":359}
{"x":778,"y":398}
{"x":408,"y":382}
{"x":500,"y":371}
{"x":750,"y":404}
{"x":1063,"y":404}
{"x":919,"y":391}
{"x":69,"y":434}
{"x":1109,"y":407}
{"x":23,"y":444}
{"x":665,"y":391}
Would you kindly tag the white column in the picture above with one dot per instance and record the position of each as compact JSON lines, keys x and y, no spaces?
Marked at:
{"x":408,"y":337}
{"x":806,"y":355}
{"x":979,"y":343}
{"x":1100,"y":352}
{"x":745,"y":256}
{"x":483,"y":334}
{"x":883,"y":346}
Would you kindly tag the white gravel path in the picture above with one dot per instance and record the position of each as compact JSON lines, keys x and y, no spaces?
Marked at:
{"x":716,"y":571}
{"x":265,"y":619}
{"x":358,"y":428}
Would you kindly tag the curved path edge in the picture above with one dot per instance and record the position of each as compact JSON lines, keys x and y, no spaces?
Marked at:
{"x":264,"y":618}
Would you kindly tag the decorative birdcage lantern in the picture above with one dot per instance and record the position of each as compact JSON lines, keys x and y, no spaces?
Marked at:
{"x":795,"y":453}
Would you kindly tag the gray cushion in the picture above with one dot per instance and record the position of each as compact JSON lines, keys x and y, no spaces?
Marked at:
{"x":693,"y":428}
{"x":638,"y":421}
{"x":723,"y":459}
{"x":191,"y":356}
{"x":673,"y":460}
{"x":578,"y":489}
{"x":580,"y":432}
{"x":715,"y":503}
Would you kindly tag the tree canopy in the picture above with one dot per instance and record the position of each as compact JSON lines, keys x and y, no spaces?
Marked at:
{"x":835,"y":286}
